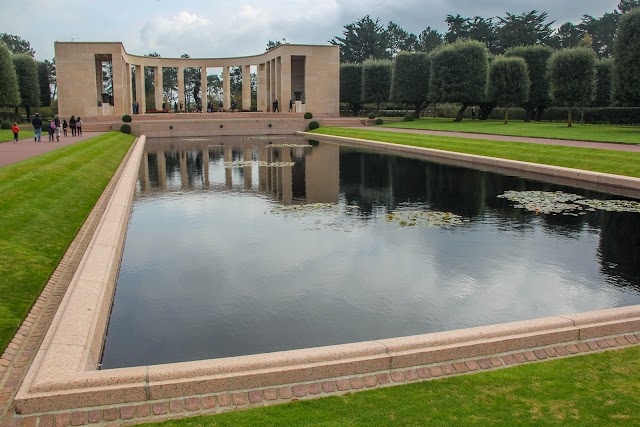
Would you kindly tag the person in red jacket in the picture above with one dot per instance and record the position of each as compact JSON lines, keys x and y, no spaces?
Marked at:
{"x":15,"y":130}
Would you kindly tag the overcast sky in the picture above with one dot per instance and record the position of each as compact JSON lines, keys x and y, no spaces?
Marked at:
{"x":224,"y":28}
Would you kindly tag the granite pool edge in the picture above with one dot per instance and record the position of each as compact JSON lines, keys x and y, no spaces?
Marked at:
{"x":63,"y":375}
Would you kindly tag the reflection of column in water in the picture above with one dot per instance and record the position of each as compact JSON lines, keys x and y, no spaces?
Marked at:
{"x":262,"y":172}
{"x":144,"y":173}
{"x":183,"y":170}
{"x":286,"y":177}
{"x":322,"y":174}
{"x":205,"y":167}
{"x":162,"y":170}
{"x":228,"y":172}
{"x":248,"y":156}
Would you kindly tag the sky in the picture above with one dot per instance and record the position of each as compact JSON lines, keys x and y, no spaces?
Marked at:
{"x":225,"y":28}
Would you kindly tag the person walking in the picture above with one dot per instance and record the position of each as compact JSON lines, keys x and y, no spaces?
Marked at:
{"x":65,"y":125}
{"x":51,"y":129}
{"x":15,"y":129}
{"x":72,"y":125}
{"x":37,"y":128}
{"x":291,"y":105}
{"x":56,"y":121}
{"x":79,"y":126}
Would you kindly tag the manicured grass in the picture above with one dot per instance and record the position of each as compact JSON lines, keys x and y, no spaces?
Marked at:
{"x":7,"y":134}
{"x":593,"y":390}
{"x":43,"y":203}
{"x":609,"y":161}
{"x":598,"y":133}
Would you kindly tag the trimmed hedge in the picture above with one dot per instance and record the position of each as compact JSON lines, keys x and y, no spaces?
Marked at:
{"x":314,"y":125}
{"x":6,"y":125}
{"x":371,"y":116}
{"x":125,"y":128}
{"x":126,"y":118}
{"x":408,"y":117}
{"x":379,"y":121}
{"x":308,"y":115}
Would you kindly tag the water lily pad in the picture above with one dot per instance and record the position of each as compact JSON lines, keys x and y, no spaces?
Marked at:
{"x":424,"y":219}
{"x":558,"y":202}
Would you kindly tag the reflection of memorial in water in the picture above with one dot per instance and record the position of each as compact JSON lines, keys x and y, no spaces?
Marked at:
{"x":238,"y":165}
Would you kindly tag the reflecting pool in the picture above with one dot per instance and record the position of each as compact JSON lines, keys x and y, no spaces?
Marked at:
{"x":245,"y":246}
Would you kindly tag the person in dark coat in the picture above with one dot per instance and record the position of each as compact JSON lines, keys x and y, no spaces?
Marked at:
{"x":72,"y":125}
{"x":37,"y":128}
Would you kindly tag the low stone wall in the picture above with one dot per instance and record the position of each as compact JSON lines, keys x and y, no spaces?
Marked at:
{"x":216,"y":127}
{"x":63,"y":385}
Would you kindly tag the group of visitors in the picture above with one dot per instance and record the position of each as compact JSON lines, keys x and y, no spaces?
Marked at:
{"x":52,"y":128}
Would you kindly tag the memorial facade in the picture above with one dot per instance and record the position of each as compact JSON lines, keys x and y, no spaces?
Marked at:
{"x":308,"y":75}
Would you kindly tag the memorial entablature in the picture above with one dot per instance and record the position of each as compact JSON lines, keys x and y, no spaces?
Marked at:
{"x":308,"y":75}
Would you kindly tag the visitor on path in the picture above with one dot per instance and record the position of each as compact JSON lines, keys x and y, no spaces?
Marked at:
{"x":56,"y":121}
{"x":37,"y":127}
{"x":51,"y":129}
{"x":291,"y":105}
{"x":72,"y":125}
{"x":275,"y":106}
{"x":175,"y":107}
{"x":15,"y":129}
{"x":473,"y":113}
{"x":78,"y":126}
{"x":65,"y":125}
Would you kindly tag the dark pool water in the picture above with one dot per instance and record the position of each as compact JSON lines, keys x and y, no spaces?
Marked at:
{"x":218,"y":263}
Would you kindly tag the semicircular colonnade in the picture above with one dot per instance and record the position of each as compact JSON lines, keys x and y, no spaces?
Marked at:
{"x":308,"y":75}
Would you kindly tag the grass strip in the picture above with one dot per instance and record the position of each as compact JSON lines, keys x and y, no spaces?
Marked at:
{"x":595,"y":133}
{"x":590,"y":390}
{"x":43,"y":203}
{"x":7,"y":135}
{"x":607,"y":161}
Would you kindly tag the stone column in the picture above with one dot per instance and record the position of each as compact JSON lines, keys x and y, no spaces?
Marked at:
{"x":144,"y":173}
{"x":285,"y":83}
{"x":99,"y":80}
{"x":246,"y":87}
{"x":261,"y":104}
{"x":128,"y":88}
{"x":267,"y":87}
{"x":272,"y":82}
{"x":158,"y":83}
{"x":278,"y":85}
{"x":262,"y":171}
{"x":181,"y":88}
{"x":287,"y":176}
{"x":226,"y":88}
{"x":203,"y":87}
{"x":140,"y":98}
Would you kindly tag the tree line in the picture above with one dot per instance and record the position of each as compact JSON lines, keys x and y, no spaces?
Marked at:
{"x":369,"y":39}
{"x":24,"y":81}
{"x":533,"y":76}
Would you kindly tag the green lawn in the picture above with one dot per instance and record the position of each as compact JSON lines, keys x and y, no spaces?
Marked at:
{"x":7,"y":134}
{"x":609,"y":161}
{"x":598,"y":133}
{"x":43,"y":203}
{"x":592,"y":390}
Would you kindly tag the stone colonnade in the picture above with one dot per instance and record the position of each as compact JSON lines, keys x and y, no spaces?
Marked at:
{"x":307,"y":75}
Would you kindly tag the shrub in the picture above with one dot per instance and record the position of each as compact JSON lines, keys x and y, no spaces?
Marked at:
{"x":308,"y":115}
{"x":379,"y":121}
{"x":408,"y":117}
{"x":126,"y":118}
{"x":314,"y":125}
{"x":372,"y":115}
{"x":125,"y":128}
{"x":6,"y":125}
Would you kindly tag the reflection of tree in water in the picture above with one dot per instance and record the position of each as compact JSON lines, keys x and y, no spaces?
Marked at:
{"x":619,"y":249}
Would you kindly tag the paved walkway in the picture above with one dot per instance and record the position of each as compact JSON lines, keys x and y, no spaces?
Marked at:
{"x":565,"y":142}
{"x":27,"y":148}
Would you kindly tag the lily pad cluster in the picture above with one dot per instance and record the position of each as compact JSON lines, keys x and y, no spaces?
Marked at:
{"x":424,"y":219}
{"x":260,"y":163}
{"x":558,"y":202}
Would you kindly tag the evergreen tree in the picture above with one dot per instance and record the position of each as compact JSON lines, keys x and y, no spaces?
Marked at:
{"x":537,"y":59}
{"x":572,"y":77}
{"x":43,"y":82}
{"x":508,"y":83}
{"x":376,"y":81}
{"x":626,"y":66}
{"x":411,"y":80}
{"x":9,"y":89}
{"x":604,"y":72}
{"x":27,"y":72}
{"x":362,"y":40}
